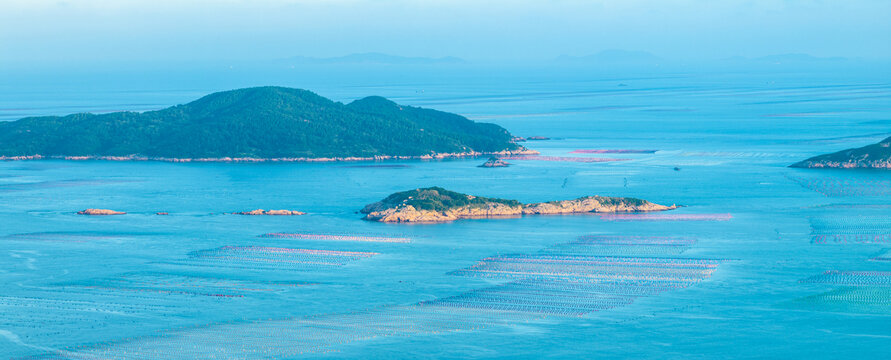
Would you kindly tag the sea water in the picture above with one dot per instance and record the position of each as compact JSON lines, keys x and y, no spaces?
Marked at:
{"x":762,"y":260}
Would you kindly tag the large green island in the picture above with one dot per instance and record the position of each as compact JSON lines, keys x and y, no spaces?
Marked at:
{"x":875,"y":156}
{"x":435,"y":204}
{"x":258,"y":124}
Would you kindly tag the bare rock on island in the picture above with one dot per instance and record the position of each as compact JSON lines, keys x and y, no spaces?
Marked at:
{"x":495,"y":162}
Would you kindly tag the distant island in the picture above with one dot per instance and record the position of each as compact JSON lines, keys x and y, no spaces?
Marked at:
{"x":258,"y":124}
{"x":435,"y":204}
{"x":875,"y":156}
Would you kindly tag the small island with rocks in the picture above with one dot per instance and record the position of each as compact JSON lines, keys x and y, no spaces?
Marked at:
{"x":270,"y":212}
{"x":495,"y":162}
{"x":435,"y":204}
{"x":875,"y":156}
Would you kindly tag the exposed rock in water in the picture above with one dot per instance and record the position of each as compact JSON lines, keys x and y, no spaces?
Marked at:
{"x":875,"y":156}
{"x":538,"y":138}
{"x":495,"y":162}
{"x":440,"y":205}
{"x":161,"y":213}
{"x":100,"y":212}
{"x":270,"y":212}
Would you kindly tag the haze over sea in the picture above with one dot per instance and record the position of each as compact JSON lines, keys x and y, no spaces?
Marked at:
{"x":199,"y":280}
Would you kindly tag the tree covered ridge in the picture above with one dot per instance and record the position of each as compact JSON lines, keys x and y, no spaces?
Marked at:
{"x":260,"y":122}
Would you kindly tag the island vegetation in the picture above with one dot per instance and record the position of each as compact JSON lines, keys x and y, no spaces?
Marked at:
{"x":262,"y":123}
{"x":435,"y":204}
{"x":875,"y":156}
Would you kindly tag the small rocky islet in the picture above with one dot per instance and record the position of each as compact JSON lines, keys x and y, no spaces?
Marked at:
{"x":495,"y":162}
{"x":435,"y":204}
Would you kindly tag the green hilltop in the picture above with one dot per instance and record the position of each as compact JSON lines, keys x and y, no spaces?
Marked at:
{"x":260,"y":122}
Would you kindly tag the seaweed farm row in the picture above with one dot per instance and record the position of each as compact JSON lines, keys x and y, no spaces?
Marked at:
{"x":337,"y":237}
{"x":612,"y":151}
{"x":732,"y":154}
{"x":842,"y":187}
{"x":886,"y":256}
{"x":665,"y":217}
{"x":851,"y":239}
{"x":860,"y":299}
{"x":623,"y":245}
{"x":561,"y":158}
{"x":65,"y":237}
{"x":553,"y":282}
{"x":175,"y":284}
{"x":852,"y":278}
{"x":592,"y":273}
{"x":866,"y":292}
{"x":294,"y":337}
{"x":859,"y":229}
{"x":272,"y":258}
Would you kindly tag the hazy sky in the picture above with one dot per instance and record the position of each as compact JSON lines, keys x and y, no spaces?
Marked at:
{"x":53,"y":31}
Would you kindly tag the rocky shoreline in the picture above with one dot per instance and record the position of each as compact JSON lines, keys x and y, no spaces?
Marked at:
{"x":406,"y":211}
{"x":875,"y":156}
{"x":435,"y":156}
{"x":850,"y":164}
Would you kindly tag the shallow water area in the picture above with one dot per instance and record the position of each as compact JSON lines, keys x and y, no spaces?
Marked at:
{"x":761,"y":259}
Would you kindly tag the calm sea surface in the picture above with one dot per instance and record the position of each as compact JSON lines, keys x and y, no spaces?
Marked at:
{"x":763,"y":260}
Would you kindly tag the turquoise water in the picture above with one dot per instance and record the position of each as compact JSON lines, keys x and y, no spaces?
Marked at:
{"x":199,"y":282}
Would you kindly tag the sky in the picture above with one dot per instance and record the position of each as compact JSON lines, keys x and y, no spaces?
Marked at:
{"x":54,"y":32}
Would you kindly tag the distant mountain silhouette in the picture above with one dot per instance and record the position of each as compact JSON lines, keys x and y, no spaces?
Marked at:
{"x":374,"y":58}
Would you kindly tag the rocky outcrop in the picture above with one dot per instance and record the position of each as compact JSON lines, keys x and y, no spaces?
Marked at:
{"x":598,"y":204}
{"x":538,"y":138}
{"x":409,"y":213}
{"x":876,"y":156}
{"x":270,"y":212}
{"x":413,"y":209}
{"x":495,"y":162}
{"x":100,"y":212}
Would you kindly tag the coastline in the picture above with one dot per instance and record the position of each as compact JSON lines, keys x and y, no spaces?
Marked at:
{"x":435,"y":156}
